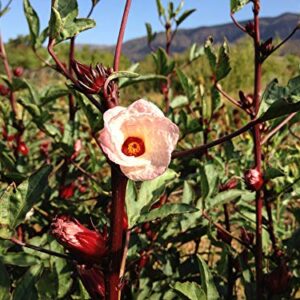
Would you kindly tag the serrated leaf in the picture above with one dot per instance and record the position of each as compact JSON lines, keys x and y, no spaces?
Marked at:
{"x":32,"y":20}
{"x":191,"y":290}
{"x":15,"y":203}
{"x":165,"y":211}
{"x":185,"y":15}
{"x":4,"y":283}
{"x":223,"y":64}
{"x":26,"y":286}
{"x":236,"y":5}
{"x":212,"y":58}
{"x":207,"y":281}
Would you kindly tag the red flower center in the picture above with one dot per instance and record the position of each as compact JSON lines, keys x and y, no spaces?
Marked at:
{"x":133,"y":146}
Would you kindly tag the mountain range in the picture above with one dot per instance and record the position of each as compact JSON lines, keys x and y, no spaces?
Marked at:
{"x":276,"y":27}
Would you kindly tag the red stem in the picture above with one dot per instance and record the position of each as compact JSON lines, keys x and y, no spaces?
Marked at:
{"x":72,"y":108}
{"x":258,"y":153}
{"x":121,"y":36}
{"x":119,"y":182}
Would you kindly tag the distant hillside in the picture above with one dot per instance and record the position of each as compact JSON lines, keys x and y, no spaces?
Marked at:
{"x":274,"y":27}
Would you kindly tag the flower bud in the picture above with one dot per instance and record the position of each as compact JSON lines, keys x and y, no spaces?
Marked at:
{"x":266,"y":47}
{"x":229,"y":185}
{"x":67,"y":191}
{"x":253,"y":179}
{"x":93,"y":280}
{"x":23,"y":149}
{"x":91,"y":80}
{"x":250,"y":28}
{"x":88,"y":246}
{"x":18,"y":72}
{"x":247,"y":237}
{"x":4,"y":90}
{"x":277,"y":281}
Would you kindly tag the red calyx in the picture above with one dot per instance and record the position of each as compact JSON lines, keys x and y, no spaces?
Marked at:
{"x":4,"y":90}
{"x":67,"y":191}
{"x":254,"y":179}
{"x":18,"y":72}
{"x":87,"y":246}
{"x":91,"y":80}
{"x":93,"y":280}
{"x":23,"y":149}
{"x":229,"y":185}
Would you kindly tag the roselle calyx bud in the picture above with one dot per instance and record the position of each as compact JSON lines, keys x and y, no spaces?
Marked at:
{"x":224,"y":236}
{"x":4,"y":90}
{"x":23,"y":149}
{"x":254,"y":179}
{"x":266,"y":47}
{"x":250,"y":28}
{"x":18,"y":72}
{"x":277,"y":281}
{"x":67,"y":191}
{"x":93,"y":280}
{"x":91,"y":80}
{"x":229,"y":185}
{"x":87,"y":246}
{"x":247,"y":237}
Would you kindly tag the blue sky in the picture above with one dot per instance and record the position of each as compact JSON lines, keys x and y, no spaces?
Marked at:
{"x":108,"y":14}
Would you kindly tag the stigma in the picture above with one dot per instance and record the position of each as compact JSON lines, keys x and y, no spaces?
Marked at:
{"x":133,"y":146}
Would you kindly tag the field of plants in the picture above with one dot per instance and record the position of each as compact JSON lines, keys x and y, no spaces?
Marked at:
{"x":177,"y":177}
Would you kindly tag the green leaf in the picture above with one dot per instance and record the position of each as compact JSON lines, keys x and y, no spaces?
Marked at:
{"x":236,"y":5}
{"x":190,"y":290}
{"x":195,"y":52}
{"x":272,"y":173}
{"x":185,"y":15}
{"x":73,"y":28}
{"x":32,"y":20}
{"x":15,"y":203}
{"x":55,"y":23}
{"x":179,"y":101}
{"x":187,"y":85}
{"x":160,"y":8}
{"x":67,"y":9}
{"x":223,"y":198}
{"x":93,"y":116}
{"x":4,"y":283}
{"x":165,"y":211}
{"x":164,"y":65}
{"x":223,"y":64}
{"x":212,"y":58}
{"x":26,"y":286}
{"x":20,"y":259}
{"x":150,"y":35}
{"x":188,"y":195}
{"x":141,"y":78}
{"x":207,"y":281}
{"x":148,"y":194}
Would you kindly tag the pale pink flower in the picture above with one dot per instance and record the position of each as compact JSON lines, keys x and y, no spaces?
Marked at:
{"x":139,"y":138}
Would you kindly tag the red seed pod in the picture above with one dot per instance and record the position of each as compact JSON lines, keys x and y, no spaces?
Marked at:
{"x":82,"y":188}
{"x":224,"y":236}
{"x":4,"y":90}
{"x":253,"y":179}
{"x":144,"y":259}
{"x":91,"y":80}
{"x":277,"y":281}
{"x":18,"y":72}
{"x":88,"y":246}
{"x":44,"y":148}
{"x":266,"y":47}
{"x":229,"y":185}
{"x":67,"y":191}
{"x":93,"y":280}
{"x":23,"y":149}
